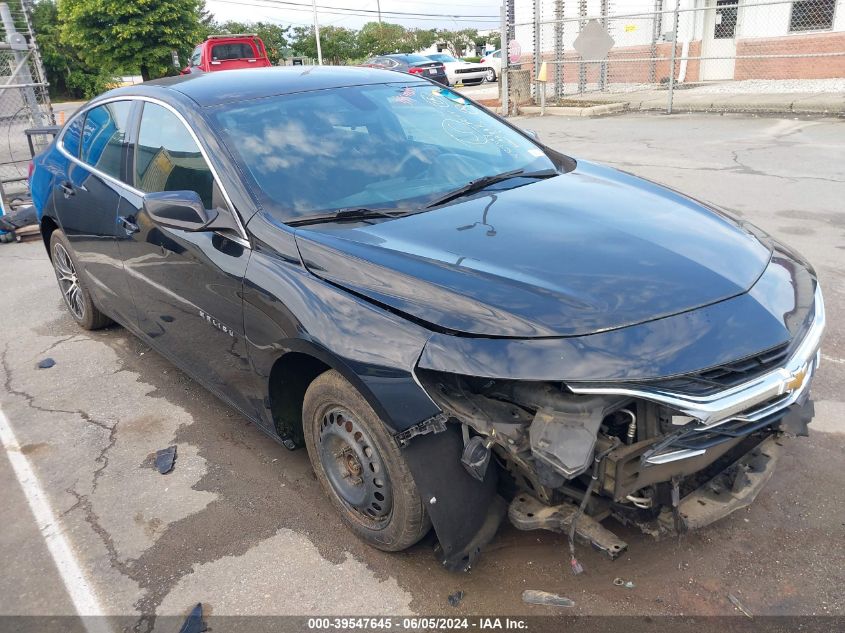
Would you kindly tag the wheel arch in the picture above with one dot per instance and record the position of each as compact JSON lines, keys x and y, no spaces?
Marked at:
{"x":48,"y":225}
{"x":292,"y":373}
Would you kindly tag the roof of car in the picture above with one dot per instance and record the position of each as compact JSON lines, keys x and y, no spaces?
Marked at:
{"x":253,"y":83}
{"x":403,"y":56}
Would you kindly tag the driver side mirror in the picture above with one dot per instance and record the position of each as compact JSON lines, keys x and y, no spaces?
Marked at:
{"x":179,"y":210}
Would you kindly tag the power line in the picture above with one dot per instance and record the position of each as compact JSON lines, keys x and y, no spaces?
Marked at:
{"x":329,"y":9}
{"x":275,"y":4}
{"x":415,"y":13}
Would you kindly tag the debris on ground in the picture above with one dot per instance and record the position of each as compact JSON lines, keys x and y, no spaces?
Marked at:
{"x":165,"y":458}
{"x":46,"y":363}
{"x":455,"y":598}
{"x":533,"y":596}
{"x":735,"y":601}
{"x":194,"y":622}
{"x":21,"y":216}
{"x":621,"y":582}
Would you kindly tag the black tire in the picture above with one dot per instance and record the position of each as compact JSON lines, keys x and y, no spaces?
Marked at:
{"x":360,"y":466}
{"x":490,"y":76}
{"x":73,"y":285}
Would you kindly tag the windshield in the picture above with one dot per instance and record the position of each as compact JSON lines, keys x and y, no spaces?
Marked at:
{"x":378,"y":146}
{"x":442,"y":57}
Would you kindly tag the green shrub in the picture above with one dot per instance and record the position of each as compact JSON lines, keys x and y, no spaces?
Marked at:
{"x":472,"y":60}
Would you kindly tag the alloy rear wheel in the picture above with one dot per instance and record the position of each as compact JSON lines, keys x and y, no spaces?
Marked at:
{"x":75,"y":293}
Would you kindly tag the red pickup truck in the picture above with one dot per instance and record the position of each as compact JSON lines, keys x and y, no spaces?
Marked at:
{"x":228,"y":52}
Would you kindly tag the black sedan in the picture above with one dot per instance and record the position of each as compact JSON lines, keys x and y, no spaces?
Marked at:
{"x":455,"y":320}
{"x":411,"y":64}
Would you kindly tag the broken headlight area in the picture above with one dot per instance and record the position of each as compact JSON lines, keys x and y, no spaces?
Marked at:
{"x":654,"y":467}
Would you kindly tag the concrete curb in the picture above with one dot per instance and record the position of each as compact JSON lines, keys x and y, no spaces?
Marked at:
{"x":587,"y":111}
{"x":821,"y":104}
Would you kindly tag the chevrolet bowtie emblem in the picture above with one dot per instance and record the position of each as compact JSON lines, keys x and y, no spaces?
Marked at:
{"x":796,"y":381}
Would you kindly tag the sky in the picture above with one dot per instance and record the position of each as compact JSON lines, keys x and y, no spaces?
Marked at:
{"x":331,"y":12}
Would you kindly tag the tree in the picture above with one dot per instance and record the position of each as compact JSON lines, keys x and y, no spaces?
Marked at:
{"x":67,"y":73}
{"x":382,"y":38}
{"x":420,"y":39}
{"x":457,"y":41}
{"x":118,"y":35}
{"x":338,"y":44}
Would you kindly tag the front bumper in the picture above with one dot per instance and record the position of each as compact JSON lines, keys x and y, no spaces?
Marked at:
{"x":740,"y":410}
{"x":734,"y":488}
{"x":467,"y":77}
{"x":686,"y":444}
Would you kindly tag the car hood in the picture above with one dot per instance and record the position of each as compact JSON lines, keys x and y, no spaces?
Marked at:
{"x":587,"y":251}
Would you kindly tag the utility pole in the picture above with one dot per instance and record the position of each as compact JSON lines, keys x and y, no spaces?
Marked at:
{"x":378,"y":8}
{"x":317,"y":34}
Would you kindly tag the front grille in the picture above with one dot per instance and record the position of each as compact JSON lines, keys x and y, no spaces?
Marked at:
{"x":710,"y":381}
{"x":461,"y":71}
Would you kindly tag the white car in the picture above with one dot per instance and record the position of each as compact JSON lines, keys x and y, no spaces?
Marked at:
{"x":493,"y":62}
{"x":458,"y":70}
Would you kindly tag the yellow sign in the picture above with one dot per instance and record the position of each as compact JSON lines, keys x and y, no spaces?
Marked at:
{"x":630,"y":27}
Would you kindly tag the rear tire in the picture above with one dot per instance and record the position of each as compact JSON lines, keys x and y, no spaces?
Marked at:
{"x":73,"y":286}
{"x":360,"y":466}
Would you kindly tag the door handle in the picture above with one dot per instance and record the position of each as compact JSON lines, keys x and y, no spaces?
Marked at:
{"x":128,"y":224}
{"x":67,"y":189}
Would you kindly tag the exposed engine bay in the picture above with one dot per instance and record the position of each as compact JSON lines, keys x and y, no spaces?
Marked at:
{"x":571,"y":460}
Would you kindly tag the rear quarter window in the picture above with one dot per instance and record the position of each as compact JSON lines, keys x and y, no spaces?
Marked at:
{"x":72,"y":137}
{"x":104,"y":137}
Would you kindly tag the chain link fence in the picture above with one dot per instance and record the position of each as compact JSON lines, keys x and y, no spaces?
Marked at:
{"x":601,"y":47}
{"x":24,"y":100}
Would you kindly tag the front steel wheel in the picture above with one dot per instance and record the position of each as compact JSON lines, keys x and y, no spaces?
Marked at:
{"x":354,"y":468}
{"x":360,"y":467}
{"x":490,"y":75}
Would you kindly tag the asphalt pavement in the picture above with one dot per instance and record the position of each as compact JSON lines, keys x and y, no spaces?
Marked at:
{"x":241,"y":525}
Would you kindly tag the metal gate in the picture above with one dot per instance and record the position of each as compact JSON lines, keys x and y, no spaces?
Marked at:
{"x":600,"y":47}
{"x":24,"y":99}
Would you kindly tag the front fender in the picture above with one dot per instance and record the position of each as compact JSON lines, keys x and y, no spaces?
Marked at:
{"x":286,"y":308}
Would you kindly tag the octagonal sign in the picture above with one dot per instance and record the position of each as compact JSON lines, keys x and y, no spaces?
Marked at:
{"x":514,"y":51}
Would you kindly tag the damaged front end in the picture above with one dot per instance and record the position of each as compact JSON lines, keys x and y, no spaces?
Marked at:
{"x":665,"y":455}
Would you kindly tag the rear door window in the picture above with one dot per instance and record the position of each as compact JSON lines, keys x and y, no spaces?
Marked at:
{"x":233,"y":50}
{"x":104,"y":137}
{"x":168,"y":159}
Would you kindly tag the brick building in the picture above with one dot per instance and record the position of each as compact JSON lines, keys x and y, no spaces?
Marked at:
{"x":736,"y":39}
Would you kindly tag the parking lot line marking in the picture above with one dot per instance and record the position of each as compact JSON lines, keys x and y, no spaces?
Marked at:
{"x":80,"y":591}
